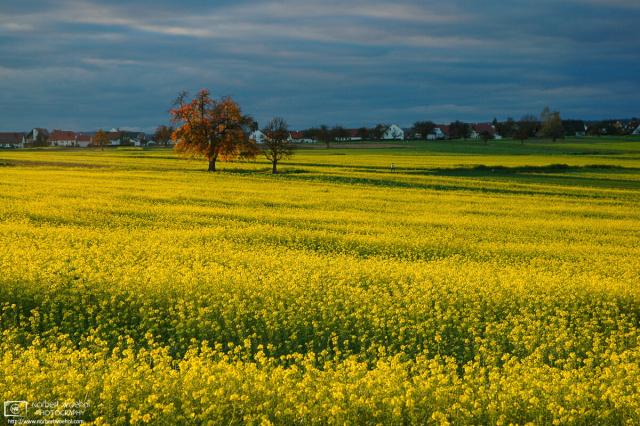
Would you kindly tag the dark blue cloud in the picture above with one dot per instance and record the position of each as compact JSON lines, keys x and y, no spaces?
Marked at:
{"x":88,"y":64}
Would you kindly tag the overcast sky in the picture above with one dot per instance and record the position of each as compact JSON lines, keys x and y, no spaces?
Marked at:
{"x":82,"y":65}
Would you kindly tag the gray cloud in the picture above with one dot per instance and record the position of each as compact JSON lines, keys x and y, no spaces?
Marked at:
{"x":87,"y":64}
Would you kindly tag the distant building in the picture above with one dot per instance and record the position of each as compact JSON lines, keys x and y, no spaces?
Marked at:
{"x":36,"y":137}
{"x":630,"y":126}
{"x":140,"y":140}
{"x":439,"y":133}
{"x":119,"y":137}
{"x":257,"y":136}
{"x":11,"y":140}
{"x":133,"y":138}
{"x":349,"y":135}
{"x":574,"y":128}
{"x":62,"y":138}
{"x":298,"y":137}
{"x":636,"y":131}
{"x":410,"y":134}
{"x":478,"y":129}
{"x":354,"y":134}
{"x":393,"y":132}
{"x":114,"y":137}
{"x":295,"y":136}
{"x":83,"y":141}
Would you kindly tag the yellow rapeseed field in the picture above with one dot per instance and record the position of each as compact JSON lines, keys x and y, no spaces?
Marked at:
{"x":473,"y":285}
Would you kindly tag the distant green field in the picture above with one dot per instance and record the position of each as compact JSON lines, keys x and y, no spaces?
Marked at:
{"x":472,"y":284}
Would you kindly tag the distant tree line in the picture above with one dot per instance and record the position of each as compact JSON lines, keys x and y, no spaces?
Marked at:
{"x":217,"y":129}
{"x":327,"y":135}
{"x":548,"y":124}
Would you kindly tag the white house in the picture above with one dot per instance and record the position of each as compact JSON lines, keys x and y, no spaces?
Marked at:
{"x":437,"y":134}
{"x":350,"y":135}
{"x":355,"y":134}
{"x":140,"y":140}
{"x":115,"y":138}
{"x":298,"y":137}
{"x":478,"y":129}
{"x":257,"y":136}
{"x":393,"y":132}
{"x":636,"y":131}
{"x":582,"y":132}
{"x":83,"y":141}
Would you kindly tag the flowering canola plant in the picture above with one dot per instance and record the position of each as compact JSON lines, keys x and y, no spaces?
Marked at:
{"x":337,"y":293}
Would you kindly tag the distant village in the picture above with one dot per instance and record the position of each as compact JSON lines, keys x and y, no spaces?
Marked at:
{"x":425,"y":130}
{"x":39,"y":137}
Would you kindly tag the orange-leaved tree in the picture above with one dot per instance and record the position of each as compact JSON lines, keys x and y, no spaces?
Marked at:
{"x":211,"y":128}
{"x":101,"y":139}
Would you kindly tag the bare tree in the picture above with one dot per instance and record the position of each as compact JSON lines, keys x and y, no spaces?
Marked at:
{"x":363,"y":133}
{"x":526,"y":128}
{"x":378,"y":131}
{"x":276,"y":144}
{"x":324,"y":135}
{"x":163,"y":134}
{"x":424,"y":128}
{"x":459,"y":129}
{"x":507,"y":128}
{"x":486,"y":136}
{"x":339,"y":133}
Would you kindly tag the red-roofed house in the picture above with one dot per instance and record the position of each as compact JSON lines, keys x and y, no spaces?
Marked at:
{"x":298,"y":137}
{"x":11,"y":140}
{"x":83,"y":141}
{"x":115,"y":138}
{"x":478,"y":129}
{"x":62,"y":138}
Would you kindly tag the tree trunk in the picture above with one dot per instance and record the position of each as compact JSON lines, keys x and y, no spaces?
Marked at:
{"x":212,"y":165}
{"x":275,"y":167}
